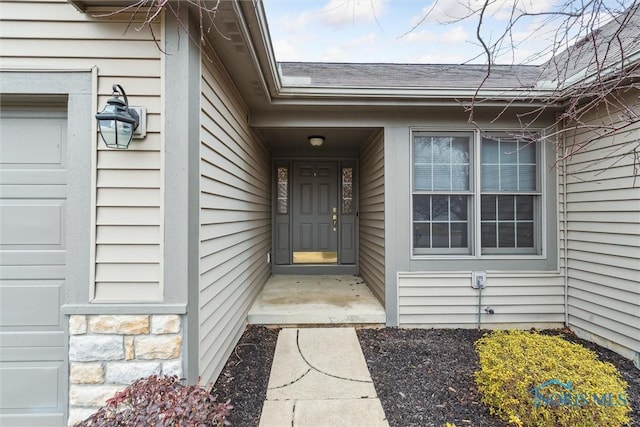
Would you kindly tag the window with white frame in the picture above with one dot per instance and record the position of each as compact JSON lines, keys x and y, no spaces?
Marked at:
{"x":442,"y":193}
{"x":475,"y":195}
{"x":509,"y":195}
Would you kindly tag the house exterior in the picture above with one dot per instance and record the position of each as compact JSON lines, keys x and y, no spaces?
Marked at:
{"x":117,"y":264}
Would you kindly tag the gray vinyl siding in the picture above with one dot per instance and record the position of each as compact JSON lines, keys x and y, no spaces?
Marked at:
{"x":371,"y":235}
{"x":603,"y":240}
{"x":127,"y":235}
{"x":235,"y":218}
{"x":436,"y":291}
{"x":446,"y":299}
{"x":129,"y":226}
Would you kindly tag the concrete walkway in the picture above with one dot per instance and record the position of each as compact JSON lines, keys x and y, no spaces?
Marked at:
{"x":319,"y":377}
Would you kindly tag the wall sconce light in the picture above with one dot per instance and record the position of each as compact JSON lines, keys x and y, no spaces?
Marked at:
{"x":118,"y":122}
{"x":316,"y":140}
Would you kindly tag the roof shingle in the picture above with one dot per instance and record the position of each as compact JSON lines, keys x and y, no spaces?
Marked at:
{"x":407,"y":75}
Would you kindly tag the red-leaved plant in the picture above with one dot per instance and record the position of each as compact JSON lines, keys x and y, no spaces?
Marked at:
{"x":161,"y":401}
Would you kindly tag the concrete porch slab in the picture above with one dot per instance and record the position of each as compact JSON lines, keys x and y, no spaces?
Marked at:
{"x":324,"y":299}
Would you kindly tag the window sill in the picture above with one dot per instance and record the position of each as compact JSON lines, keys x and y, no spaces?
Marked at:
{"x":477,"y":258}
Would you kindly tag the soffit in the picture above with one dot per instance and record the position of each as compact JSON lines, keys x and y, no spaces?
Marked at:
{"x":293,"y":141}
{"x":239,"y":36}
{"x":84,"y":5}
{"x":231,"y":41}
{"x":227,"y":35}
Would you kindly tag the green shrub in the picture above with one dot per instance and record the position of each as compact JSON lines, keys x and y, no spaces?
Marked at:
{"x":160,"y":401}
{"x":529,"y":379}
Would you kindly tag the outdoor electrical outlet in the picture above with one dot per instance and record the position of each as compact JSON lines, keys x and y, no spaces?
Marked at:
{"x":479,"y":279}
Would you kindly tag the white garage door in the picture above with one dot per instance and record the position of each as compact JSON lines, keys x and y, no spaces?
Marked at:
{"x":33,"y":194}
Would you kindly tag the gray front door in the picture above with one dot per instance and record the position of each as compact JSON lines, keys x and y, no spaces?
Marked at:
{"x":315,"y":212}
{"x":33,"y":260}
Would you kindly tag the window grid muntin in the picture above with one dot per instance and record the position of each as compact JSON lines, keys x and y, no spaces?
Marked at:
{"x":475,"y":193}
{"x":431,"y":191}
{"x":538,"y":220}
{"x":519,"y":148}
{"x":433,"y":221}
{"x":517,"y":222}
{"x":430,"y":165}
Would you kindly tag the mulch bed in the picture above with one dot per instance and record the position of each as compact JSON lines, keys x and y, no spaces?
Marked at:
{"x":424,"y":377}
{"x":245,"y":376}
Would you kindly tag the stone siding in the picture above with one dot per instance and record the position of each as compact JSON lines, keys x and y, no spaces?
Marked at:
{"x":108,"y":352}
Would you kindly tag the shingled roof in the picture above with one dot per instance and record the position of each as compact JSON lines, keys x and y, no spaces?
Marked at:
{"x":318,"y":74}
{"x":617,"y":40}
{"x":604,"y":47}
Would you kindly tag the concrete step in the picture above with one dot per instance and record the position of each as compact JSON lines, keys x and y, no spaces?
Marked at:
{"x":305,"y":300}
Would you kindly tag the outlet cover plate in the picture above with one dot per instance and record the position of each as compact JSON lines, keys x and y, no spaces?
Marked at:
{"x":479,"y":279}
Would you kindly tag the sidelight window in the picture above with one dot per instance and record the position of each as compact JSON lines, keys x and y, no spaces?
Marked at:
{"x":283,"y":189}
{"x":347,"y":190}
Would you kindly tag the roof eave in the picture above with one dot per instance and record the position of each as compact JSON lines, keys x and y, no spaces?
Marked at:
{"x":253,"y":21}
{"x":411,"y":96}
{"x":281,"y":90}
{"x":585,"y":76}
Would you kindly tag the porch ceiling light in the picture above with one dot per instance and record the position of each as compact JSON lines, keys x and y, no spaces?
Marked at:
{"x":117,"y":121}
{"x":316,"y":140}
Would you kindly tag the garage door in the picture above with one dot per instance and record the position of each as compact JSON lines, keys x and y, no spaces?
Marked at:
{"x":33,"y":195}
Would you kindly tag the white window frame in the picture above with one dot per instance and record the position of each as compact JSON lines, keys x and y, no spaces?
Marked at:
{"x":474,"y":238}
{"x":467,"y":193}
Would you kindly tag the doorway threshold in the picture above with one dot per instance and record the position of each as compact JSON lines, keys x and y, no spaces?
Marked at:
{"x":316,"y":299}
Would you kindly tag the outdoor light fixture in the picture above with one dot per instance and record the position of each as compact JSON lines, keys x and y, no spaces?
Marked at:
{"x":117,"y":122}
{"x":316,"y":140}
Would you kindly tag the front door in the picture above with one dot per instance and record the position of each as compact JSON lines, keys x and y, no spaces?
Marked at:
{"x":315,"y":217}
{"x":315,"y":212}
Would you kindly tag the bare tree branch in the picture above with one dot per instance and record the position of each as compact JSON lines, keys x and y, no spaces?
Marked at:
{"x":487,"y":52}
{"x":152,"y":9}
{"x":586,"y":67}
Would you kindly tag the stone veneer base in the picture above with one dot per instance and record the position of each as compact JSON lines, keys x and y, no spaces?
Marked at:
{"x":108,"y":352}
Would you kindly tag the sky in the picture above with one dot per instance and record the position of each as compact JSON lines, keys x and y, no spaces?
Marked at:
{"x":404,"y":31}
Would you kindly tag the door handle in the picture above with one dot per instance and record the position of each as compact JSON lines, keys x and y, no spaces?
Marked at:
{"x":335,"y":219}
